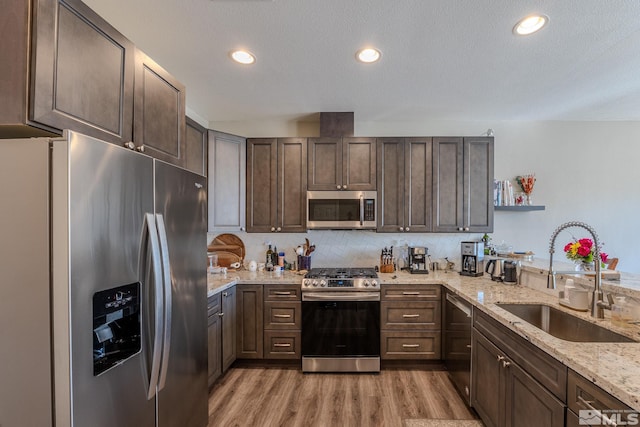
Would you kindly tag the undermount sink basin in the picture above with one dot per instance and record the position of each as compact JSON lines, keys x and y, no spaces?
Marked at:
{"x":563,"y":325}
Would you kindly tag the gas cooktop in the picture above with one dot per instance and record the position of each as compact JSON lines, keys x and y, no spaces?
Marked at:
{"x":357,"y":278}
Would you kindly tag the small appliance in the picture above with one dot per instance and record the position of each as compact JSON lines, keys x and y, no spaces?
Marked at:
{"x":495,"y":267}
{"x":418,"y":260}
{"x":472,"y":259}
{"x":510,"y":272}
{"x":346,"y":210}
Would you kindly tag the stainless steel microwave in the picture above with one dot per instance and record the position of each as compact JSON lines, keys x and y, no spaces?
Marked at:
{"x":348,"y":210}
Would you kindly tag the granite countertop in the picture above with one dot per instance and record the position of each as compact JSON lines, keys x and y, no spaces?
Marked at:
{"x":615,"y":367}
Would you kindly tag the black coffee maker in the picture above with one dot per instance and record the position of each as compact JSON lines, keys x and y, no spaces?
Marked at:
{"x":472,"y":259}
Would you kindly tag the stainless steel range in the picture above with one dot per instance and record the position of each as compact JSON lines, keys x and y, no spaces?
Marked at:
{"x":341,"y":320}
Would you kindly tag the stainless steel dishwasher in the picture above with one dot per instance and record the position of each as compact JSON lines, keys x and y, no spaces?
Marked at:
{"x":457,"y":343}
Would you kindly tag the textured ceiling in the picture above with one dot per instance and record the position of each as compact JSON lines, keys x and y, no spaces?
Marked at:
{"x":442,"y":59}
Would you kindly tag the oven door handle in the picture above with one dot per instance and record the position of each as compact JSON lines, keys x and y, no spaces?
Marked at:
{"x":341,"y":296}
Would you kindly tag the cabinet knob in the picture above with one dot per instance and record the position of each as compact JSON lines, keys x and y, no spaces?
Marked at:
{"x":279,"y":229}
{"x":466,"y":229}
{"x":220,"y":314}
{"x":130,"y":145}
{"x":241,"y":228}
{"x":344,"y":187}
{"x":140,"y":148}
{"x":459,"y":228}
{"x":500,"y":358}
{"x":224,"y":294}
{"x":338,"y":187}
{"x":505,"y":364}
{"x":273,"y":229}
{"x":406,"y":229}
{"x":401,"y":228}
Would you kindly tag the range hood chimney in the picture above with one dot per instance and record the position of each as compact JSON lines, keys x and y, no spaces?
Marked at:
{"x":336,"y":124}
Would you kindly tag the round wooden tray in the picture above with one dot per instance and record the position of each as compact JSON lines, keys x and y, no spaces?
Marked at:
{"x":229,"y":248}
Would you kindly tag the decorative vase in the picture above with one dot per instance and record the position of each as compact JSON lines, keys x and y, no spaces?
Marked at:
{"x":585,"y":266}
{"x":528,"y":200}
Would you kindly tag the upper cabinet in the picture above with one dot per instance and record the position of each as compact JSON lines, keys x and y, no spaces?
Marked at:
{"x":404,"y":184}
{"x":159,"y":108}
{"x":462,"y":184}
{"x":226,"y":182}
{"x":342,"y":163}
{"x":195,"y":147}
{"x":64,"y":67}
{"x":82,"y":72}
{"x":276,"y":185}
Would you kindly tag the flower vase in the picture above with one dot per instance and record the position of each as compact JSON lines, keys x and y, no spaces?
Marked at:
{"x":585,"y":266}
{"x":528,"y":201}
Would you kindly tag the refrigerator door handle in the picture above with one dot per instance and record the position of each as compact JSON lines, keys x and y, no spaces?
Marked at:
{"x":156,"y":305}
{"x":166,"y":273}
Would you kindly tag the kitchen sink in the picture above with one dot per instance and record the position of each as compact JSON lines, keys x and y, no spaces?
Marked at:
{"x":563,"y":325}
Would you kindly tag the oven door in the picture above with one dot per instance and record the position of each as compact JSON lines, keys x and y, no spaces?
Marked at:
{"x":341,"y":328}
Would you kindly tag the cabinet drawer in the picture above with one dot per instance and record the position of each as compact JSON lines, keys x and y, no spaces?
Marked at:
{"x":282,"y":345}
{"x":582,"y":394}
{"x":540,"y":365}
{"x":214,"y":303}
{"x":410,"y":292}
{"x":282,"y":292}
{"x":410,"y":315}
{"x":410,"y":345}
{"x":282,"y":315}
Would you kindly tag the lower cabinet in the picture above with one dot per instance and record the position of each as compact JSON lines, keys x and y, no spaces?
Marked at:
{"x":503,"y":393}
{"x":282,"y":322}
{"x":221,"y":332}
{"x":600,"y":407}
{"x":249,"y":338}
{"x":410,"y":322}
{"x":214,"y":332}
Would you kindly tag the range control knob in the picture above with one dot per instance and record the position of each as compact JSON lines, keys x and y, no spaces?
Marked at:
{"x":374,"y":283}
{"x":366,"y":283}
{"x":323,"y":283}
{"x":306,"y":282}
{"x":314,"y":283}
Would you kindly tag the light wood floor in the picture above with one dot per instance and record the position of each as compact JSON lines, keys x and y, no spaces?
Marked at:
{"x":249,"y":395}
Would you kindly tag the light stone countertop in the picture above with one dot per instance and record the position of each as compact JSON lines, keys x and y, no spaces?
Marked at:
{"x":615,"y":367}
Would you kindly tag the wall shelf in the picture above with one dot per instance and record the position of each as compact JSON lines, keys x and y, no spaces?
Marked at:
{"x":519,"y":208}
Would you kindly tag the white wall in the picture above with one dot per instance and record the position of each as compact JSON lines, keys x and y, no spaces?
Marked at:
{"x":586,"y":171}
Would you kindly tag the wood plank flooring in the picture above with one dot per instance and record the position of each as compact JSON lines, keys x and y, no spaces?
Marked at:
{"x":251,"y":395}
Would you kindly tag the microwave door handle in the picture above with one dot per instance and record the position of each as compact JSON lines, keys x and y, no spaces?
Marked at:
{"x":361,"y":209}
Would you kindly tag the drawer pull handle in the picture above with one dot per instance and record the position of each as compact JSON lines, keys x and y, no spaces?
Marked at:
{"x":220,"y":314}
{"x":410,"y":345}
{"x":408,"y":316}
{"x":282,"y":316}
{"x":281,"y":345}
{"x":282,"y":293}
{"x":411,"y":293}
{"x":588,"y":404}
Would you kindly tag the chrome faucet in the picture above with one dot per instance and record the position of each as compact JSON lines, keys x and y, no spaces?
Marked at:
{"x":597,"y":302}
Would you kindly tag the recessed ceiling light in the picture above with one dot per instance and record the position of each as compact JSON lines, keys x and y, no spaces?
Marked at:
{"x":530,"y":24}
{"x":368,"y":55}
{"x":243,"y":57}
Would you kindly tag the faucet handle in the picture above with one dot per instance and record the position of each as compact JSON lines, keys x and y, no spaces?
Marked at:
{"x":610,"y":298}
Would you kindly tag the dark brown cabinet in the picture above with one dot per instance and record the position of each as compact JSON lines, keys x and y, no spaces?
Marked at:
{"x":82,"y":72}
{"x":463,"y":184}
{"x":513,"y":383}
{"x":214,"y":333}
{"x":249,"y":315}
{"x":410,"y":322}
{"x":229,"y":319}
{"x":282,"y":321}
{"x":226,"y":181}
{"x":405,"y":184}
{"x":342,"y":163}
{"x":195,"y":147}
{"x":276,"y":185}
{"x":159,"y":108}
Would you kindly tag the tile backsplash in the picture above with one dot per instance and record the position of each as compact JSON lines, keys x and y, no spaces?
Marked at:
{"x":351,"y":248}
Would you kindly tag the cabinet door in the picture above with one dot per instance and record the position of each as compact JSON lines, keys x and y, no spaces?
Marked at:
{"x":292,"y":185}
{"x":478,"y":184}
{"x":359,"y":164}
{"x":418,"y":185}
{"x":228,"y":328}
{"x":447,"y":184}
{"x":195,"y":147}
{"x":249,"y":344}
{"x":325,"y":164}
{"x":261,"y":184}
{"x":528,"y":404}
{"x":487,"y":384}
{"x":391,"y":184}
{"x":159,"y":107}
{"x":214,"y":333}
{"x":83,"y":72}
{"x":226,"y":182}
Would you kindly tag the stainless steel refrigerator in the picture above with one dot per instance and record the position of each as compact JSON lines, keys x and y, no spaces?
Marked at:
{"x":103,"y":294}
